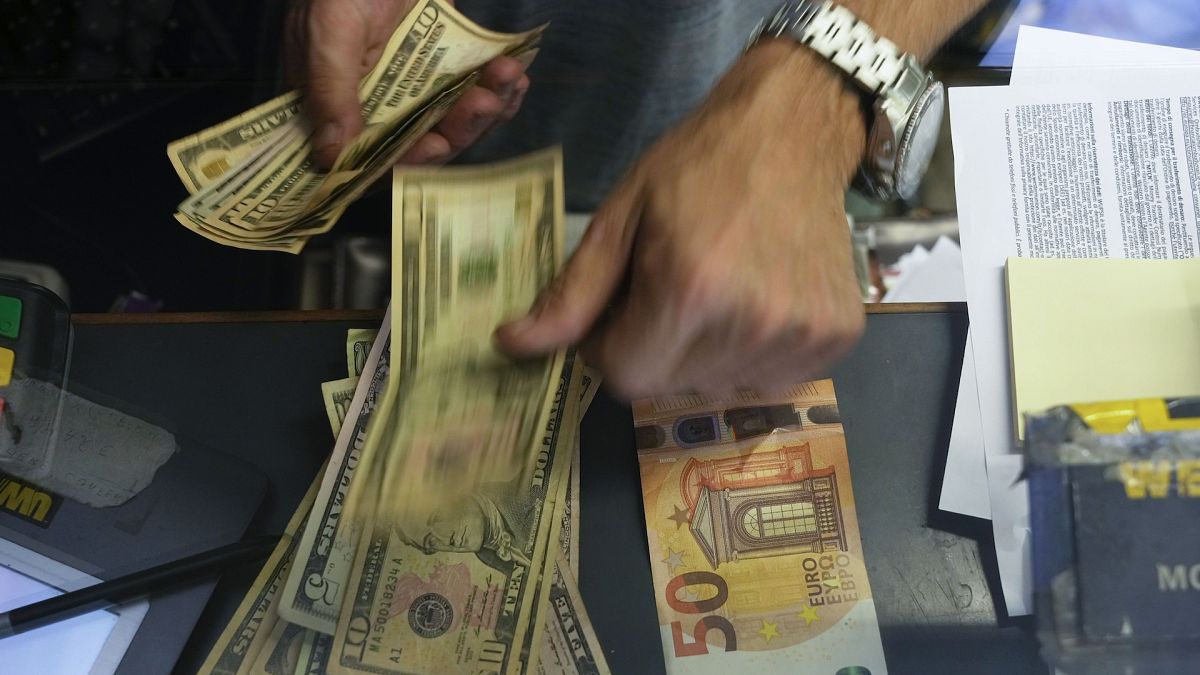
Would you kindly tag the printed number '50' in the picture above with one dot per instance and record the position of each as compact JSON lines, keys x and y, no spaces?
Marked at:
{"x":700,"y":646}
{"x":706,"y":624}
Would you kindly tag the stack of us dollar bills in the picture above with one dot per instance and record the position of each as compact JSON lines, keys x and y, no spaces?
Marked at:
{"x":251,"y":179}
{"x":442,"y":534}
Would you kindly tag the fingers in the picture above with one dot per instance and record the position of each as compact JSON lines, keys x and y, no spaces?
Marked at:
{"x":475,"y":113}
{"x":432,"y":148}
{"x":568,"y":308}
{"x":640,"y":349}
{"x":341,"y":41}
{"x":501,"y":75}
{"x":337,"y":38}
{"x":495,"y":100}
{"x":514,"y":101}
{"x":639,"y":361}
{"x":719,"y":340}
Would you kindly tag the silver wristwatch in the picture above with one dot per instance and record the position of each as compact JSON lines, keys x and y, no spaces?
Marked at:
{"x":908,"y":102}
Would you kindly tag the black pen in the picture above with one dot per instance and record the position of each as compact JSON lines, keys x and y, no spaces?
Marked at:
{"x":115,"y":591}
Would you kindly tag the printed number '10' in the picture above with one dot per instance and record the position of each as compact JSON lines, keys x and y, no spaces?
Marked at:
{"x":704,"y":625}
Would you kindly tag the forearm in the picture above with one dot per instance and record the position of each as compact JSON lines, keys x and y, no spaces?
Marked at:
{"x":916,"y":26}
{"x":806,"y":103}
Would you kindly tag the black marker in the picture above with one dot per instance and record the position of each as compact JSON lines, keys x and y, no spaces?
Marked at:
{"x":115,"y":591}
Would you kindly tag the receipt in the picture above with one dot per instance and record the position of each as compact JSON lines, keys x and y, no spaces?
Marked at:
{"x":77,"y":448}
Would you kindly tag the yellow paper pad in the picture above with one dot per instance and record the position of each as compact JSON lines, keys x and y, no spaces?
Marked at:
{"x":1101,"y":330}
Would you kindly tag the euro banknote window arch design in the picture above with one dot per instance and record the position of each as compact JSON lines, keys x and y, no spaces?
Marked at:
{"x":765,"y":504}
{"x":783,"y":519}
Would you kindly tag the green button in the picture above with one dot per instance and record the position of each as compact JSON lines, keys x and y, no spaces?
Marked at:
{"x":10,"y":316}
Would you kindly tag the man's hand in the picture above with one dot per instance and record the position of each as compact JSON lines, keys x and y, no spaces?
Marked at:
{"x":330,"y":45}
{"x":723,"y":258}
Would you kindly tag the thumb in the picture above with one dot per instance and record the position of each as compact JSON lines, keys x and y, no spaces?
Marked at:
{"x":337,"y":39}
{"x":568,"y":308}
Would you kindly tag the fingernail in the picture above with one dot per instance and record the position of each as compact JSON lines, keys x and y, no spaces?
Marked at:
{"x":330,"y":134}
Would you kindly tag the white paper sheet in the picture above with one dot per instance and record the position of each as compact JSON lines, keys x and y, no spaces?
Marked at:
{"x":1044,"y":57}
{"x":964,"y":484}
{"x":984,"y":128}
{"x":933,"y":276}
{"x":1010,"y":530}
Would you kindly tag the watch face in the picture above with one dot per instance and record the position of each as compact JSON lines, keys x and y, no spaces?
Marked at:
{"x":919,"y":140}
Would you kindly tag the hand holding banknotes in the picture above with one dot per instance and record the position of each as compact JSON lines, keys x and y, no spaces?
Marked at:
{"x":731,"y":236}
{"x":329,"y":45}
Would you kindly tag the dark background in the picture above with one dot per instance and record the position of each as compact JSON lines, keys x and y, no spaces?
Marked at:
{"x":91,"y":92}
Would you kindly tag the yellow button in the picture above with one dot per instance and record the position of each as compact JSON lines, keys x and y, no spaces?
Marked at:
{"x":6,"y":366}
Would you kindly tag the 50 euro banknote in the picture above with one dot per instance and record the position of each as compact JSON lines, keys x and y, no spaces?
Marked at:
{"x":753,"y":535}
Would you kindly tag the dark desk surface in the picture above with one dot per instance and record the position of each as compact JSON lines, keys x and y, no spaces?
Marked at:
{"x":249,"y":385}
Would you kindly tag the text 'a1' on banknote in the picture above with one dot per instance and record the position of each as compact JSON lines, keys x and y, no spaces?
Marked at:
{"x":753,"y":535}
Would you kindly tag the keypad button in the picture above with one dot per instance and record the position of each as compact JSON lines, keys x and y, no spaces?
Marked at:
{"x":6,"y":366}
{"x":10,"y":316}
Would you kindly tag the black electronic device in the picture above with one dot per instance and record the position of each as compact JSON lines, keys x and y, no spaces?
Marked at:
{"x":35,"y":342}
{"x":193,"y":499}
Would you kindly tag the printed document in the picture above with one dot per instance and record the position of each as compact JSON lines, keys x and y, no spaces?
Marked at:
{"x":1102,"y":164}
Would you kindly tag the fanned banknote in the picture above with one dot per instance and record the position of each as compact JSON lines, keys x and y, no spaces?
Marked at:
{"x":281,"y":654}
{"x":460,"y":591}
{"x":569,"y":646}
{"x":472,"y":247}
{"x":478,"y":582}
{"x":312,"y":594}
{"x":203,"y":157}
{"x":358,"y":345}
{"x":588,"y":386}
{"x":568,"y":533}
{"x":252,"y":180}
{"x":467,"y":460}
{"x":337,"y":396}
{"x":753,"y":534}
{"x":313,"y":658}
{"x":248,"y":631}
{"x":568,"y":537}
